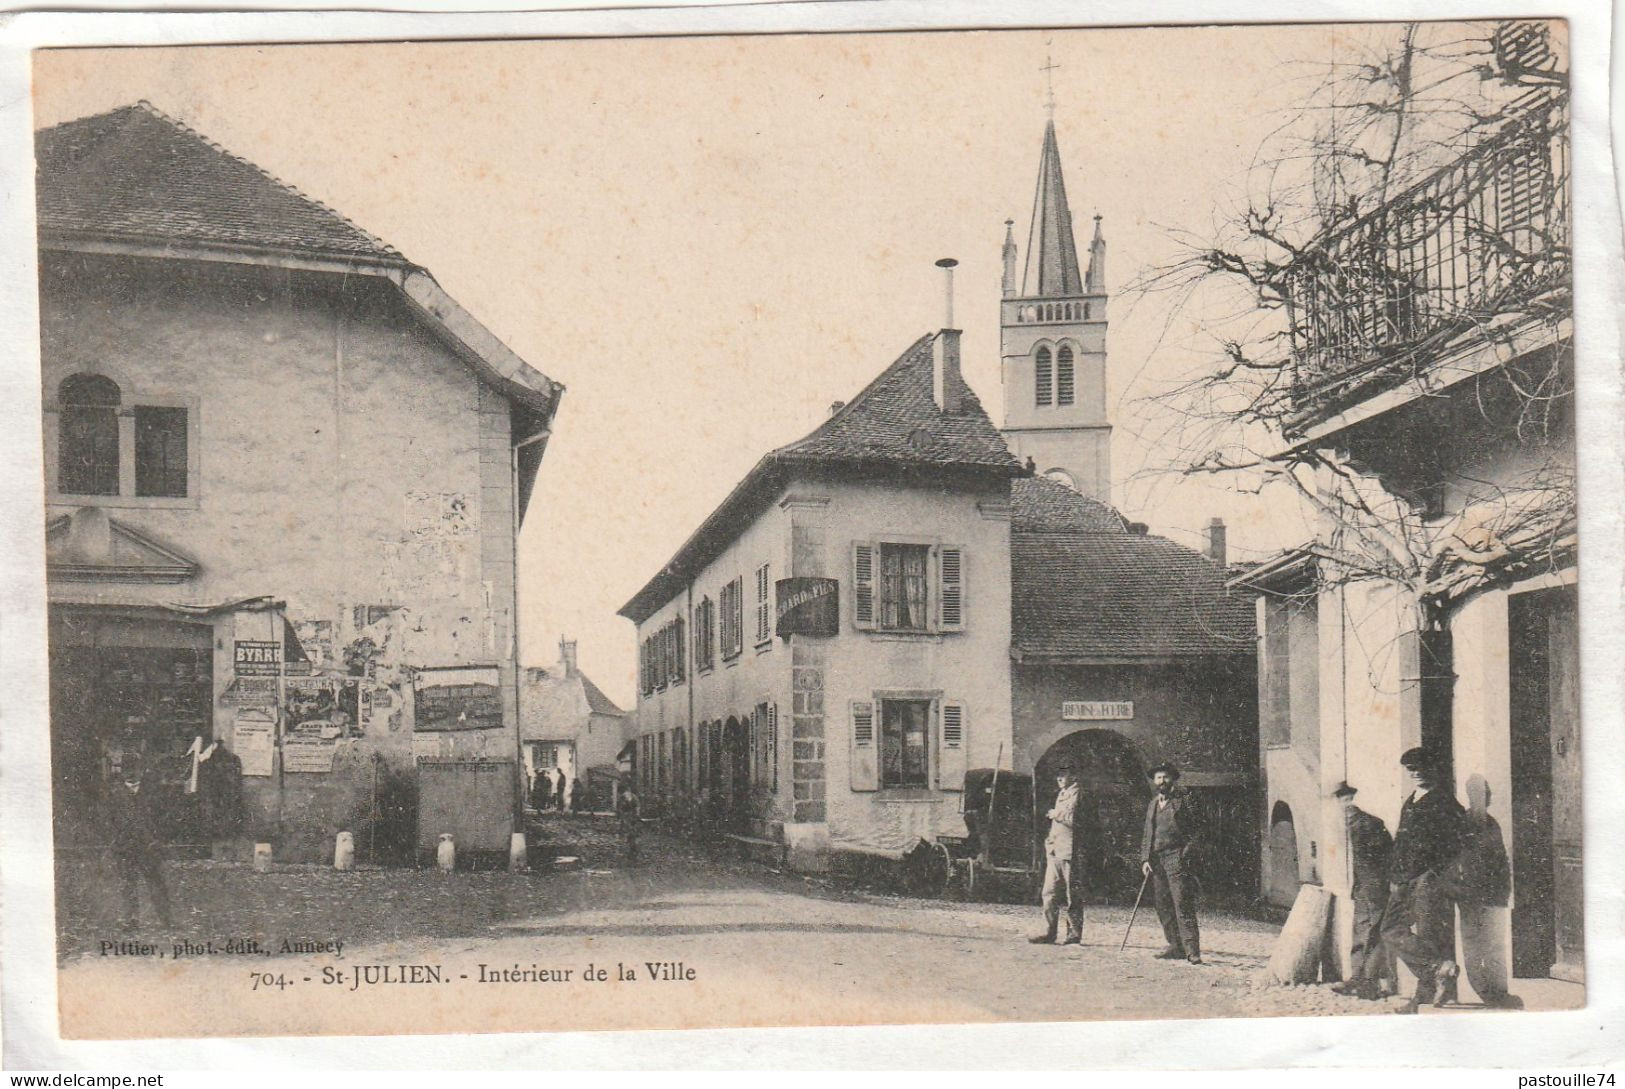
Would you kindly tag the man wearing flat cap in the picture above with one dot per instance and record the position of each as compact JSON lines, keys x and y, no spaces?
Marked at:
{"x":1172,"y":828}
{"x":1419,"y":922}
{"x":1063,"y":873}
{"x":1370,"y":848}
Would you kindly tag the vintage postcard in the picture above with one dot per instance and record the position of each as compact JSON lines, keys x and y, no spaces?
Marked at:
{"x":812,"y":529}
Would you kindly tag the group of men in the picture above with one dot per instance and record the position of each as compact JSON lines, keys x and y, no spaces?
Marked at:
{"x":1404,"y":886}
{"x":553,"y":789}
{"x":1172,"y":830}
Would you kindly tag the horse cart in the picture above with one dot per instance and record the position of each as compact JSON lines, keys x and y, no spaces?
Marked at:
{"x":999,"y":855}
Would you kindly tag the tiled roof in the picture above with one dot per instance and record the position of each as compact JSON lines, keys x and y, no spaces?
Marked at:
{"x":1079,"y":595}
{"x":597,"y":702}
{"x":895,"y":419}
{"x":893,"y":423}
{"x":1039,"y":504}
{"x":136,"y":174}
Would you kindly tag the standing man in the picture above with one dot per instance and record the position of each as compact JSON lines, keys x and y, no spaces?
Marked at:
{"x":1370,"y":847}
{"x":1172,"y":828}
{"x":1419,"y":923}
{"x":137,"y":843}
{"x":631,"y":818}
{"x":1063,"y":876}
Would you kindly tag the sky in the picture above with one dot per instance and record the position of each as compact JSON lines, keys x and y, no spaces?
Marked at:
{"x":710,"y":239}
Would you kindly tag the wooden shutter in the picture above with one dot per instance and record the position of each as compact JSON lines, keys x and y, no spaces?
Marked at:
{"x":865,"y":768}
{"x":763,"y":629}
{"x":773,"y":744}
{"x":951,"y":747}
{"x":951,"y":588}
{"x":863,"y":584}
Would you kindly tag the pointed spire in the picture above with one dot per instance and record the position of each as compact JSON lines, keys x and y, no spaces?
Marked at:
{"x":1052,"y":253}
{"x":1009,"y":258}
{"x":1095,"y":282}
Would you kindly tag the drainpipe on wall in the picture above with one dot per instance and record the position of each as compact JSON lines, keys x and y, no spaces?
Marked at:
{"x":518,"y":672}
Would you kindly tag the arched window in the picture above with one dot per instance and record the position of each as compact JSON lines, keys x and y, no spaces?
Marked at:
{"x":1064,"y":385}
{"x":87,"y":435}
{"x":1043,"y":378}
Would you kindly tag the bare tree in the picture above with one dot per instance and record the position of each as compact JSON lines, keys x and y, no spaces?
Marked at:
{"x":1416,"y":200}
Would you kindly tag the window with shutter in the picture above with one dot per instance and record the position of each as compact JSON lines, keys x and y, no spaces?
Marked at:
{"x":1064,"y":384}
{"x":773,"y":745}
{"x":732,"y":600}
{"x":764,"y":622}
{"x":1043,"y":378}
{"x":951,"y":588}
{"x":865,"y":772}
{"x":863,"y":584}
{"x":951,"y":747}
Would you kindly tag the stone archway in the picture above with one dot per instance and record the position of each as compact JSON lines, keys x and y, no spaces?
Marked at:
{"x":1282,"y":867}
{"x":735,"y":774}
{"x":1114,"y":793}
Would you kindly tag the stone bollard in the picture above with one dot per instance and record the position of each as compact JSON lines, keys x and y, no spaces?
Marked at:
{"x":262,"y":857}
{"x":445,"y":855}
{"x":344,"y":852}
{"x":518,"y":860}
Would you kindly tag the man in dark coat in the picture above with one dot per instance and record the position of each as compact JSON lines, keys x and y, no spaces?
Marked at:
{"x":137,"y":843}
{"x":1063,"y":872}
{"x":1172,"y":828}
{"x":1370,"y":848}
{"x":1419,"y":922}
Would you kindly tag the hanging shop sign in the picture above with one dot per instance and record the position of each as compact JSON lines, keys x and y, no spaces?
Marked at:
{"x":807,"y":606}
{"x":257,"y":658}
{"x":457,"y":698}
{"x":253,"y":739}
{"x":1086,"y":710}
{"x":308,"y":754}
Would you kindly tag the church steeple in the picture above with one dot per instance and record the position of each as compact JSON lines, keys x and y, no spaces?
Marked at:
{"x":1052,"y":253}
{"x":1053,"y":342}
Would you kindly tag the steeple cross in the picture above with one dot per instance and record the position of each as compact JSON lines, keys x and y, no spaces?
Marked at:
{"x":1049,"y":82}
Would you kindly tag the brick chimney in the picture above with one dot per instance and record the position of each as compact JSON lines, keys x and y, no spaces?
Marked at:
{"x":567,"y":655}
{"x":1217,"y":550}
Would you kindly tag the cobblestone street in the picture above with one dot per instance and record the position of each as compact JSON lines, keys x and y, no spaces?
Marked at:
{"x":764,"y":947}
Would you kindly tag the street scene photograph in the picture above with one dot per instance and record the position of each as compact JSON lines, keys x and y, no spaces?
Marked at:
{"x":811,"y":529}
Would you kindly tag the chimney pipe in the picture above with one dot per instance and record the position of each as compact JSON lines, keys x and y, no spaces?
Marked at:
{"x":1217,"y":549}
{"x":836,"y":406}
{"x":567,"y":655}
{"x":947,"y":265}
{"x":947,"y":387}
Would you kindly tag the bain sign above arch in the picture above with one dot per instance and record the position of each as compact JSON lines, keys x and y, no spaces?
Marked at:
{"x":1087,"y":710}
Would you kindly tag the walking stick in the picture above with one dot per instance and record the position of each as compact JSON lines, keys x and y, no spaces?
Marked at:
{"x":1135,"y":912}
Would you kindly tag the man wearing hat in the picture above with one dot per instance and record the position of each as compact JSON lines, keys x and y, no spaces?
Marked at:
{"x":1063,"y":875}
{"x":1370,"y":846}
{"x":1172,"y":827}
{"x":1419,"y":922}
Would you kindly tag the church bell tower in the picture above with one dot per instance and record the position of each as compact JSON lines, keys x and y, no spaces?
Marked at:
{"x":1053,"y":342}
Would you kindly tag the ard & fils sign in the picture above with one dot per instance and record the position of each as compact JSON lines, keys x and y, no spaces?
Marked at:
{"x":257,"y":658}
{"x":807,"y":606}
{"x":1087,"y":710}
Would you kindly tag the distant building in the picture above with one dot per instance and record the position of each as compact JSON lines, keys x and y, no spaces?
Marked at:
{"x":828,"y":653}
{"x":284,"y":477}
{"x":568,"y":725}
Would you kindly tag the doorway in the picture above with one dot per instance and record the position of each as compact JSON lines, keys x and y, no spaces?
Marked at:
{"x":1548,"y":932}
{"x":1283,"y":856}
{"x":1112,"y":782}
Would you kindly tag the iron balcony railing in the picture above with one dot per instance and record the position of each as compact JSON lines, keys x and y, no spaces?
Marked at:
{"x":1485,"y":237}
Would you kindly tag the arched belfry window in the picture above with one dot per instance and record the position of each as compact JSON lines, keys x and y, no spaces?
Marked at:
{"x":1064,"y":383}
{"x":87,"y":440}
{"x":1043,"y":378}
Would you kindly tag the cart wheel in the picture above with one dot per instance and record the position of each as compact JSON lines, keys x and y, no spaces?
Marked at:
{"x":947,"y":871}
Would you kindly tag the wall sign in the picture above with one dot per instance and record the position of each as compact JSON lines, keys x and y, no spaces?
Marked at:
{"x":1086,"y":710}
{"x":457,"y":698}
{"x":308,"y":754}
{"x":808,"y":606}
{"x":257,"y":658}
{"x":253,"y":739}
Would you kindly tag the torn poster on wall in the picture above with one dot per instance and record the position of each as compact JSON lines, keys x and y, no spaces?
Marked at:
{"x":320,"y":706}
{"x":457,"y":698}
{"x":253,"y":739}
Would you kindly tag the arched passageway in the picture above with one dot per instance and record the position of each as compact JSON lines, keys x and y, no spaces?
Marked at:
{"x":1112,"y":777}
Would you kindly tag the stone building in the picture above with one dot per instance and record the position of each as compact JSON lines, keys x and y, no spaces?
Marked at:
{"x":829,"y":651}
{"x":569,"y":726}
{"x":1424,"y":387}
{"x":284,"y":477}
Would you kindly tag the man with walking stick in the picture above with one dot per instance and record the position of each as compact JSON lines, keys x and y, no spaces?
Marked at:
{"x":1172,"y":827}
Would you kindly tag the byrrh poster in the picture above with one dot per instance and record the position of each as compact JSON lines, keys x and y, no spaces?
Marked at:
{"x":1167,"y":439}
